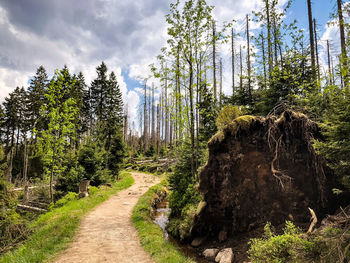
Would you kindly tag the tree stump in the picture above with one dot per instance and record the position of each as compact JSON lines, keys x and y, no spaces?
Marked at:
{"x":84,"y":188}
{"x":26,"y":192}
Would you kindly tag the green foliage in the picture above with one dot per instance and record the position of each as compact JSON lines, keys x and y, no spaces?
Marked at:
{"x":52,"y":232}
{"x":182,"y":184}
{"x":227,"y":114}
{"x":71,"y":176}
{"x":288,"y":247}
{"x":54,"y":140}
{"x":151,"y":235}
{"x":208,"y":113}
{"x":180,"y":227}
{"x":184,"y":197}
{"x":66,"y":199}
{"x":92,"y":157}
{"x":116,"y":153}
{"x":12,"y":226}
{"x":336,"y":127}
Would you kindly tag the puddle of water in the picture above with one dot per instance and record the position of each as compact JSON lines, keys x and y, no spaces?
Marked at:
{"x":160,"y":215}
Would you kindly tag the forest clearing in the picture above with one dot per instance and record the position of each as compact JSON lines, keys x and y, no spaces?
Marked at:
{"x":176,"y":131}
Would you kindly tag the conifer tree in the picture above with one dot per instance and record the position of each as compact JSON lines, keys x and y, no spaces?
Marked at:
{"x":36,"y":98}
{"x":54,"y":140}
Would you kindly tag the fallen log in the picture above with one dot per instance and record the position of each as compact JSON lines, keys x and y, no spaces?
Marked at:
{"x":31,"y":208}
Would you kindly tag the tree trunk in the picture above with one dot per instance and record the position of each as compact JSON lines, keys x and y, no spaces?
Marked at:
{"x":158,"y":128}
{"x":329,"y":63}
{"x":312,"y":42}
{"x":193,"y":156}
{"x":153,"y":117}
{"x":233,"y":63}
{"x":248,"y":62}
{"x":145,"y":129}
{"x":220,"y":94}
{"x":214,"y":63}
{"x":263,"y":58}
{"x":316,"y":49}
{"x":269,"y":44}
{"x":166,"y":112}
{"x":241,"y":66}
{"x":342,"y":43}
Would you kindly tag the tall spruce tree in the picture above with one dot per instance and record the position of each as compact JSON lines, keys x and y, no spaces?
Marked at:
{"x":99,"y":89}
{"x":36,"y":98}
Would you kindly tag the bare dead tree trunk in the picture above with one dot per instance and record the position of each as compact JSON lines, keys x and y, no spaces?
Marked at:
{"x":220,"y":95}
{"x":166,"y":111}
{"x":153,"y":117}
{"x":248,"y":62}
{"x":333,"y":73}
{"x":269,"y":44}
{"x":233,"y":63}
{"x":145,"y":121}
{"x":263,"y":57}
{"x":193,"y":155}
{"x":162,"y":116}
{"x":329,"y":63}
{"x":342,"y":42}
{"x":149,"y":110}
{"x":214,"y":63}
{"x":241,"y":66}
{"x":312,"y":42}
{"x":177,"y":97}
{"x":316,"y":49}
{"x":158,"y":128}
{"x":275,"y":42}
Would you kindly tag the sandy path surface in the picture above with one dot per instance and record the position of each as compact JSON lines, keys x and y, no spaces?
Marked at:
{"x":106,"y":234}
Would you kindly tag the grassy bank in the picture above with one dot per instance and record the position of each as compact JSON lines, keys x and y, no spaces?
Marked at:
{"x":151,"y":234}
{"x":53,"y":231}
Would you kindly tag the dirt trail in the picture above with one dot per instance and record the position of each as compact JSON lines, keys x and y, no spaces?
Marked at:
{"x":106,"y":234}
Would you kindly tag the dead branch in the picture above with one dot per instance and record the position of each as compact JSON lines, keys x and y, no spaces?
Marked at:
{"x":314,"y":221}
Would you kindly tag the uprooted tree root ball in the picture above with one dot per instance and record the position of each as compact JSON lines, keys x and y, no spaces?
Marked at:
{"x":262,"y":169}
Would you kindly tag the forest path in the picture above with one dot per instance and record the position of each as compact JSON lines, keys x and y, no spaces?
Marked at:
{"x":106,"y":234}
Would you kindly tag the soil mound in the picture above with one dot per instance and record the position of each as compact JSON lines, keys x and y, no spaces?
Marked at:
{"x":262,"y":169}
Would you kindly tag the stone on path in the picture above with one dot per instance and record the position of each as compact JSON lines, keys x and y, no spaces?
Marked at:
{"x":225,"y":256}
{"x":210,"y":253}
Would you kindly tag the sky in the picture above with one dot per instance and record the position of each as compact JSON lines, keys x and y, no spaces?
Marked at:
{"x":126,"y":35}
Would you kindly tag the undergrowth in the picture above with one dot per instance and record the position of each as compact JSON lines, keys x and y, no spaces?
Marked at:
{"x":324,"y":245}
{"x":52,"y":232}
{"x":151,"y":235}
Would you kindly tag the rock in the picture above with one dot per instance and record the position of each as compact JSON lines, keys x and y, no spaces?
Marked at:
{"x":210,"y":253}
{"x":262,"y":169}
{"x":225,"y":256}
{"x":198,"y":241}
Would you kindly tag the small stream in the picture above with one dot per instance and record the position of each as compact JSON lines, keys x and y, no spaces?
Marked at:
{"x":160,"y":217}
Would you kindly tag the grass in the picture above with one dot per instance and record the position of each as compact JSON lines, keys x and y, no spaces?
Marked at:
{"x":151,"y":234}
{"x":53,"y":231}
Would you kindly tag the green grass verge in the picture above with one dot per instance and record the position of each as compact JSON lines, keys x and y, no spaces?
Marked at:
{"x":151,"y":235}
{"x":53,"y":231}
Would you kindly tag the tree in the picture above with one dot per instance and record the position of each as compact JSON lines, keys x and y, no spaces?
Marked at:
{"x":36,"y":99}
{"x":312,"y":42}
{"x":113,"y":114}
{"x":342,"y":42}
{"x":187,"y":31}
{"x":99,"y":88}
{"x":54,"y":140}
